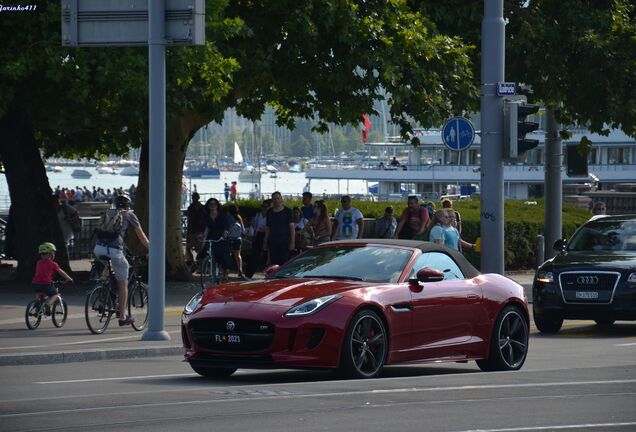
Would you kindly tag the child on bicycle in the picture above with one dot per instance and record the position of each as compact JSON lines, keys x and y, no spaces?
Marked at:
{"x":44,"y":270}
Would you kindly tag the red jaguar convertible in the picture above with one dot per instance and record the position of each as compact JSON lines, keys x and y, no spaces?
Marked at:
{"x":356,"y":306}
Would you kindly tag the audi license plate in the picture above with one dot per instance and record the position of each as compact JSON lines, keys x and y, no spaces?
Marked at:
{"x":586,"y":295}
{"x":227,"y":339}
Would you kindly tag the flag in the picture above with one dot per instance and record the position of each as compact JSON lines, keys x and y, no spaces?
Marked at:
{"x":366,"y":126}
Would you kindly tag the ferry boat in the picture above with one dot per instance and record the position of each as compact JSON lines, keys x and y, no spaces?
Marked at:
{"x":430,"y":169}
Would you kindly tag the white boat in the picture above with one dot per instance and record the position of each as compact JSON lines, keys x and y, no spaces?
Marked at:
{"x":106,"y":170}
{"x":57,"y":169}
{"x":250,"y":174}
{"x":80,"y":173}
{"x":238,"y":156}
{"x":130,"y":170}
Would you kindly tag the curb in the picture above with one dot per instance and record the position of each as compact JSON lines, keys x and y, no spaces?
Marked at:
{"x":92,"y":355}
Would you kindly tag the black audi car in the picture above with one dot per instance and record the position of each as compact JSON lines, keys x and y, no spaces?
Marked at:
{"x":592,"y":277}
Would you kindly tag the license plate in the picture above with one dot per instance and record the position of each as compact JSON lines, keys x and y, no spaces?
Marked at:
{"x":227,"y":339}
{"x":586,"y":295}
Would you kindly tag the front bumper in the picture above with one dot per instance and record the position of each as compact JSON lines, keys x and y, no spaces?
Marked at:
{"x":267,"y":338}
{"x":549,"y":300}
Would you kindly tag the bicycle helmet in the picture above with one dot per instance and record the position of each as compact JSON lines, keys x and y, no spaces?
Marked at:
{"x":122,"y":201}
{"x":46,"y":247}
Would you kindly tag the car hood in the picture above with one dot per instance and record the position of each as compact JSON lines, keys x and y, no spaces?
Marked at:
{"x":279,"y":292}
{"x":593,"y":259}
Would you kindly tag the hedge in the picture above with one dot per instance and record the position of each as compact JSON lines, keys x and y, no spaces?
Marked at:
{"x":523,"y":222}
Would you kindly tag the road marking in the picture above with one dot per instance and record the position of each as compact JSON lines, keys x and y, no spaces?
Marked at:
{"x":90,"y":341}
{"x":402,"y":390}
{"x":336,"y":394}
{"x":627,"y":344}
{"x":170,"y":311}
{"x":114,"y":378}
{"x":560,"y":427}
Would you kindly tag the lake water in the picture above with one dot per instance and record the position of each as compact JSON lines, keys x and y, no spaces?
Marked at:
{"x":288,"y":183}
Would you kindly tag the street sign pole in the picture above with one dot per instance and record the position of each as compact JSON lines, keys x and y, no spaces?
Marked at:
{"x":157,"y":174}
{"x":553,"y":183}
{"x":97,"y":23}
{"x":492,"y":197}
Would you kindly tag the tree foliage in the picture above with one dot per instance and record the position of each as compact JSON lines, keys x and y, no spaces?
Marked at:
{"x":580,"y":53}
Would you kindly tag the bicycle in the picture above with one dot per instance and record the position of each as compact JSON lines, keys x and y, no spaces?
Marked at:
{"x":209,"y":269}
{"x":35,"y":310}
{"x":102,"y":302}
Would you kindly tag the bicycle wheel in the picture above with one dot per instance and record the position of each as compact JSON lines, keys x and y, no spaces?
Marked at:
{"x":59,"y":313}
{"x":207,"y":273}
{"x":138,"y":305}
{"x":33,"y":314}
{"x":98,"y":310}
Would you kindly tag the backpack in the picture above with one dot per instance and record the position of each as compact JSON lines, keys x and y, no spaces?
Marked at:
{"x":109,"y":227}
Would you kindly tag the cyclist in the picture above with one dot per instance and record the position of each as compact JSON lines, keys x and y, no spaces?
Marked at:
{"x":44,"y":270}
{"x":217,"y":225}
{"x":114,"y":248}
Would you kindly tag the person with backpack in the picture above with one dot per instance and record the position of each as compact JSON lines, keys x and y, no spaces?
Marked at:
{"x":111,"y":235}
{"x":196,"y":225}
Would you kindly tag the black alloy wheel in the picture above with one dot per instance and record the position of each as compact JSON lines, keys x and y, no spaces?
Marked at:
{"x":508,"y":343}
{"x":365,"y":346}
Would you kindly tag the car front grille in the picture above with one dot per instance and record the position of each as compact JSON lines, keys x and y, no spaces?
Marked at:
{"x":588,"y":286}
{"x":231,"y":335}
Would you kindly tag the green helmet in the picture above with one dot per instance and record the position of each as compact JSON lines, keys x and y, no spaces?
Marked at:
{"x":46,"y":247}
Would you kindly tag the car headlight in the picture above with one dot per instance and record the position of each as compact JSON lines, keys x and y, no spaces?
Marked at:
{"x":632,"y":278}
{"x":193,"y":303}
{"x":545,"y":277}
{"x":311,"y":306}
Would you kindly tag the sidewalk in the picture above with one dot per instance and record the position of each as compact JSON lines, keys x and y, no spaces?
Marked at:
{"x":74,"y":342}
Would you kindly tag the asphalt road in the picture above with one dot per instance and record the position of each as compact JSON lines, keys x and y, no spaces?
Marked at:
{"x":583,"y":379}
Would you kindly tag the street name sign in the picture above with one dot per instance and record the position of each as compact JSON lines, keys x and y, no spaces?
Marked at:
{"x":506,"y":89}
{"x":458,"y":133}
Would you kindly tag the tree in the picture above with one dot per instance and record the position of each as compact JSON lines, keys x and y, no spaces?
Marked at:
{"x":58,"y":101}
{"x":575,"y":52}
{"x":320,"y":58}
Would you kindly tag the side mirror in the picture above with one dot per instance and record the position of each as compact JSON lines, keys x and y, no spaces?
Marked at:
{"x":428,"y":274}
{"x":271,"y":270}
{"x":559,"y":245}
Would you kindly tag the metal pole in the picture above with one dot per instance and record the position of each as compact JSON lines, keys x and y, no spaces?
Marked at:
{"x":552,"y":219}
{"x":492,"y":197}
{"x":540,"y":250}
{"x":157,"y":178}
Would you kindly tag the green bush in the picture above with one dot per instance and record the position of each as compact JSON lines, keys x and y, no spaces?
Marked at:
{"x":523,"y":223}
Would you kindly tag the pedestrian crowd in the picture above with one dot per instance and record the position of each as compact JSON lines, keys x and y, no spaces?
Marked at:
{"x":82,"y":194}
{"x":277,"y":232}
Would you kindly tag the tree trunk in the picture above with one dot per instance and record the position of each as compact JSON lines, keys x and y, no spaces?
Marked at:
{"x":33,"y":217}
{"x":178,"y":134}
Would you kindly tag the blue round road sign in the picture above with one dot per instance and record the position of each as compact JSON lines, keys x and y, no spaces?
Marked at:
{"x":458,"y":133}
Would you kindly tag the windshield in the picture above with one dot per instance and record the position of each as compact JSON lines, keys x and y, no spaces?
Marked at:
{"x":367,"y":263}
{"x":605,"y":235}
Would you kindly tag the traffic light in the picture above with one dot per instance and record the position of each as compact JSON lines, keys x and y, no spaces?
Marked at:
{"x":516,"y":127}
